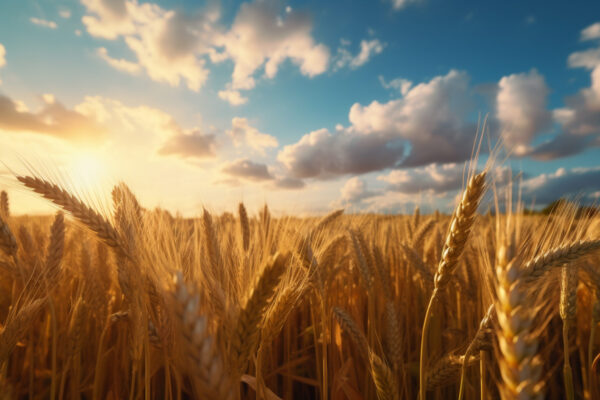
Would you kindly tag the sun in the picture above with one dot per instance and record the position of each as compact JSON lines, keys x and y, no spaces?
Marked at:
{"x":87,"y":169}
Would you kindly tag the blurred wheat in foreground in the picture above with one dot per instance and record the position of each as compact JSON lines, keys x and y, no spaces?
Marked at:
{"x":139,"y":304}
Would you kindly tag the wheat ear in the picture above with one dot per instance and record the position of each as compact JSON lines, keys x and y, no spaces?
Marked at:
{"x":8,"y":243}
{"x":15,"y":327}
{"x":77,"y":208}
{"x":246,"y":334}
{"x":558,"y":256}
{"x":326,"y":220}
{"x":203,"y":358}
{"x":384,"y":379}
{"x":458,"y":233}
{"x":520,"y":366}
{"x":55,"y":249}
{"x":244,"y":226}
{"x":4,"y":204}
{"x":568,"y":311}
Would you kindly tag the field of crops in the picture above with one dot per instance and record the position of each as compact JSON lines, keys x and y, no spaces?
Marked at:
{"x":139,"y":304}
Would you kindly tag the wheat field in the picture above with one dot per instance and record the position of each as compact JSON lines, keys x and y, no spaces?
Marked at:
{"x":134,"y":303}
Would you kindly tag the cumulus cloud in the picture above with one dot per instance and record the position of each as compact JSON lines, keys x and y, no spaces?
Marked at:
{"x":261,"y":37}
{"x":433,"y":179}
{"x":321,"y":154}
{"x":233,"y":97}
{"x":173,"y":47}
{"x":120,"y":64}
{"x":289,"y":183}
{"x":353,"y":192}
{"x":248,"y":170}
{"x":521,"y":109}
{"x":368,"y":49}
{"x":43,"y":22}
{"x":2,"y":57}
{"x":580,"y":118}
{"x":243,"y":134}
{"x":401,"y":85}
{"x":166,"y":43}
{"x":194,"y":144}
{"x":52,"y":119}
{"x":591,"y":32}
{"x":575,"y":182}
{"x":427,"y":125}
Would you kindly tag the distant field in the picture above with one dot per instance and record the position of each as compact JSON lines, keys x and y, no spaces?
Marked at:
{"x":143,"y":305}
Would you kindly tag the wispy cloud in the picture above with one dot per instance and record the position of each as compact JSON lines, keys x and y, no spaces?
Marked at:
{"x":368,"y":49}
{"x":120,"y":64}
{"x":43,"y":22}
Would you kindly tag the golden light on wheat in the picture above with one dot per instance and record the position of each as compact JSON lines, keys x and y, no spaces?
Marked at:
{"x":137,"y":303}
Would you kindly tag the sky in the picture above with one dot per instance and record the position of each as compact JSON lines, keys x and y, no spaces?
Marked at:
{"x":308,"y":106}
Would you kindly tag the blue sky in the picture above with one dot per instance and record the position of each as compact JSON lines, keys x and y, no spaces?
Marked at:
{"x":367,"y":105}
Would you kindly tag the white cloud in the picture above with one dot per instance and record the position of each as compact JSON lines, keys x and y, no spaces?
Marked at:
{"x":120,"y":64}
{"x":261,"y":37}
{"x":353,"y":192}
{"x":368,"y":48}
{"x":323,"y":155}
{"x":65,"y":13}
{"x":400,"y":4}
{"x":248,"y":170}
{"x":430,"y":118}
{"x":433,"y":179}
{"x":580,"y":118}
{"x":173,"y":47}
{"x":521,"y":109}
{"x":591,"y":32}
{"x":574,"y":182}
{"x":399,"y":84}
{"x":243,"y":134}
{"x":167,"y":44}
{"x":2,"y":57}
{"x":43,"y":22}
{"x":233,"y":97}
{"x":585,"y":59}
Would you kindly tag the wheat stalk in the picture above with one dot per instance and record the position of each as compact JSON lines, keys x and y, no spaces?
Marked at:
{"x":4,"y":205}
{"x":458,"y":233}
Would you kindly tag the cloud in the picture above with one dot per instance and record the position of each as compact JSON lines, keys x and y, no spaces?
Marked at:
{"x":368,"y":48}
{"x":580,"y":118}
{"x":65,"y":13}
{"x":434,"y":179}
{"x":233,"y":97}
{"x":323,"y":155}
{"x":546,"y":188}
{"x":289,"y":183}
{"x":173,"y":46}
{"x":44,"y":23}
{"x":248,"y":170}
{"x":591,"y":32}
{"x":400,"y":4}
{"x":192,"y":144}
{"x":243,"y":134}
{"x":521,"y":109}
{"x":431,"y":117}
{"x":120,"y":64}
{"x":353,"y":192}
{"x":167,"y":44}
{"x":52,"y":119}
{"x":2,"y":57}
{"x":261,"y":37}
{"x":585,"y":59}
{"x":399,"y":84}
{"x":427,"y":125}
